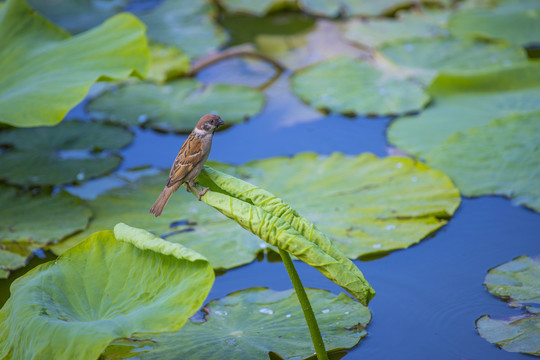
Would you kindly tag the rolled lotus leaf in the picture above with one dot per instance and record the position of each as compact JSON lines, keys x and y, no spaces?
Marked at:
{"x":275,"y":222}
{"x":109,"y":286}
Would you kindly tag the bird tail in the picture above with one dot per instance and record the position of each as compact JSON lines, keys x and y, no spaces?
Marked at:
{"x":163,"y":198}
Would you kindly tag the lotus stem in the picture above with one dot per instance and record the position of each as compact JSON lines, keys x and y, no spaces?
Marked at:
{"x":234,"y":52}
{"x":316,"y":337}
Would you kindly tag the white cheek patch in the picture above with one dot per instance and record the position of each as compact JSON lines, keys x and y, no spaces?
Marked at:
{"x":199,"y":131}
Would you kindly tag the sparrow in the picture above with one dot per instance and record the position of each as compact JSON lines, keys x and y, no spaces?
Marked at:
{"x":189,"y":161}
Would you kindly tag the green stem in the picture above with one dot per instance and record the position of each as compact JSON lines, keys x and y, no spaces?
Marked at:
{"x":306,"y":306}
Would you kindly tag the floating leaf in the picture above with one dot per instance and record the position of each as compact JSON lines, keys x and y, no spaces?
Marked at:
{"x":172,"y":22}
{"x":462,"y":102}
{"x":518,"y":334}
{"x":408,"y":26}
{"x":61,"y":154}
{"x":78,"y":15}
{"x":452,"y":56}
{"x":514,"y":20}
{"x":275,"y":222}
{"x":349,"y":85}
{"x":30,"y":222}
{"x":519,"y":281}
{"x":334,"y":8}
{"x":257,"y":8}
{"x":248,"y":29}
{"x":501,"y":158}
{"x":185,"y":221}
{"x":366,"y":205}
{"x":46,"y":72}
{"x":233,"y":326}
{"x":39,"y":219}
{"x":10,"y":261}
{"x":187,"y":24}
{"x":167,"y":62}
{"x":109,"y":286}
{"x":176,"y":106}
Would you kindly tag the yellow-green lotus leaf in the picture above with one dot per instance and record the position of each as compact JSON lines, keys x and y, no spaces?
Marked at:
{"x":46,"y":72}
{"x":365,"y":204}
{"x":187,"y":25}
{"x":110,"y":286}
{"x":247,"y":324}
{"x":185,"y":221}
{"x":168,"y":62}
{"x":275,"y":222}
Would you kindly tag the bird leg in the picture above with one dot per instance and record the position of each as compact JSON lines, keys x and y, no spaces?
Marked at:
{"x":192,"y":185}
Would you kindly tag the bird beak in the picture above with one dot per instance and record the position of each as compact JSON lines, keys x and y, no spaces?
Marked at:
{"x":220,"y":122}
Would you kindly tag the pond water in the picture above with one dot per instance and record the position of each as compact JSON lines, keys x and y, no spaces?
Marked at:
{"x":428,"y":296}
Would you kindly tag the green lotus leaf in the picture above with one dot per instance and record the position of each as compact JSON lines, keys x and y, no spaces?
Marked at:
{"x":275,"y":222}
{"x":518,"y":334}
{"x":501,"y":158}
{"x":172,"y":22}
{"x":367,"y":205}
{"x":39,"y":219}
{"x":513,"y":20}
{"x":462,"y":102}
{"x":348,"y":85}
{"x":46,"y":72}
{"x":185,"y":221}
{"x":167,"y":62}
{"x":186,"y":24}
{"x":77,"y":16}
{"x":408,"y":26}
{"x":232,"y":328}
{"x":177,"y":105}
{"x":10,"y":261}
{"x":335,"y":8}
{"x":249,"y":29}
{"x":30,"y":222}
{"x":452,"y":56}
{"x":109,"y":286}
{"x":62,"y":154}
{"x":518,"y":281}
{"x":257,"y":8}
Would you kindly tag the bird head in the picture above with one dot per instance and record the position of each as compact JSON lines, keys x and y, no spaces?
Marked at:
{"x":209,"y":123}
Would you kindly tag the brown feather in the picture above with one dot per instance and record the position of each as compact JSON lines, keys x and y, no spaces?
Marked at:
{"x":189,"y":161}
{"x":163,"y":198}
{"x":190,"y":154}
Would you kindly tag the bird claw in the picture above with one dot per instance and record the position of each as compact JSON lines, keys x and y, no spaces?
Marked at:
{"x":193,"y":186}
{"x":202,"y":192}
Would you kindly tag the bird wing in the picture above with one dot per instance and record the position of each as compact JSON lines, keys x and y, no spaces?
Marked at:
{"x":189,"y":156}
